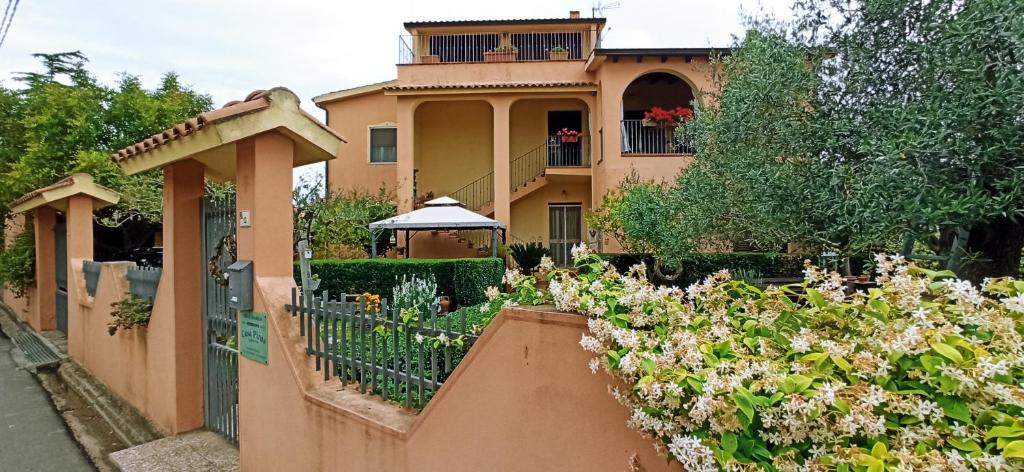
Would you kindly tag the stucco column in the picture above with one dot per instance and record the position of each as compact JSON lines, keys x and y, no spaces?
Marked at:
{"x":406,"y":165}
{"x":502,"y":193}
{"x":80,"y":248}
{"x":79,"y":224}
{"x":263,"y":175}
{"x":43,"y":315}
{"x":180,"y":343}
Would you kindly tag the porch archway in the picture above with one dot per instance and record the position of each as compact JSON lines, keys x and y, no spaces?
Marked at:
{"x":653,"y":89}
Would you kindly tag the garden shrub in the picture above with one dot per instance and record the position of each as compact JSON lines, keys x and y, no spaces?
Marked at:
{"x":414,"y":292}
{"x":129,"y":313}
{"x":923,"y":372}
{"x":439,"y":355}
{"x":528,"y":255}
{"x":18,"y":262}
{"x":462,"y":280}
{"x":696,"y":266}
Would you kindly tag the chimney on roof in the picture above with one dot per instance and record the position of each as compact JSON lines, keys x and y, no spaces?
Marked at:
{"x":574,"y":14}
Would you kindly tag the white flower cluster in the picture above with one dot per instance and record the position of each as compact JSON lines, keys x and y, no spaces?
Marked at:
{"x":912,"y":366}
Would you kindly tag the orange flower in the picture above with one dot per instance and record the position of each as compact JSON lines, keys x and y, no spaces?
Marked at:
{"x":372,"y":301}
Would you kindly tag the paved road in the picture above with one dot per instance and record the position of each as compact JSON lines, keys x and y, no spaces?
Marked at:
{"x":33,"y":436}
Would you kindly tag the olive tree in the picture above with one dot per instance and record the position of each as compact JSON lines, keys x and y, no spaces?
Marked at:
{"x":862,"y":122}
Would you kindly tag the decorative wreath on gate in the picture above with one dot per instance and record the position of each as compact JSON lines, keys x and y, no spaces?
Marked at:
{"x":226,"y":244}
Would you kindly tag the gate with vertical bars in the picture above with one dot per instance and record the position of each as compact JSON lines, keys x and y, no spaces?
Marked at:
{"x":220,"y":323}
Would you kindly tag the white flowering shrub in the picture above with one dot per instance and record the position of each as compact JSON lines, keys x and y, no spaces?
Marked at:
{"x":415,"y":293}
{"x":923,"y":372}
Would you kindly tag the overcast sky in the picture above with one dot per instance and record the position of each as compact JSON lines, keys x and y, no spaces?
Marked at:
{"x":228,"y":48}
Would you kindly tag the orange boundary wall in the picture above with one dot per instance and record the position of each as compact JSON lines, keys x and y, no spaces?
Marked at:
{"x":134,"y":363}
{"x":522,"y":399}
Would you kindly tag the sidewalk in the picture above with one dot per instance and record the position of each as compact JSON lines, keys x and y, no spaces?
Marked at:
{"x":32,"y":435}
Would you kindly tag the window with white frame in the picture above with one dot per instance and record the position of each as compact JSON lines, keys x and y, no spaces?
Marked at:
{"x":383,"y":144}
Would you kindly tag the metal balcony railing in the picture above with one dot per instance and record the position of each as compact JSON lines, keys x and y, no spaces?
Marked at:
{"x":493,"y":47}
{"x":651,"y":140}
{"x":567,"y":152}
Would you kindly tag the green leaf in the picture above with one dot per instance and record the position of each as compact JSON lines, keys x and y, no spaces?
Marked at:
{"x":815,"y":297}
{"x":841,"y":363}
{"x":1005,"y":432}
{"x":814,"y":356}
{"x":729,"y":442}
{"x":947,"y":351}
{"x":745,"y":406}
{"x":955,"y":408}
{"x":966,"y":445}
{"x":648,"y":365}
{"x":1014,"y":450}
{"x":796,"y":383}
{"x":879,"y":451}
{"x":695,"y":384}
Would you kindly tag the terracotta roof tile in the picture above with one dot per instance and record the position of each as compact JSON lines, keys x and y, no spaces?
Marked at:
{"x":255,"y":101}
{"x":491,"y":85}
{"x":65,"y":182}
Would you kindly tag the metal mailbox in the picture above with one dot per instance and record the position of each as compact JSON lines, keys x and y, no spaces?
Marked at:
{"x":240,"y":285}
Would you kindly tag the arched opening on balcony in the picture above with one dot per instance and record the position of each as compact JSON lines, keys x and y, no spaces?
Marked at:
{"x":641,"y":135}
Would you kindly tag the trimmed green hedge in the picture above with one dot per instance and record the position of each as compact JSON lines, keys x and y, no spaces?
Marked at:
{"x":699,"y":265}
{"x":463,"y":280}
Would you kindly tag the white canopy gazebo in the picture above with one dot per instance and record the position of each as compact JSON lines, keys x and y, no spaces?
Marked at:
{"x":439,"y":214}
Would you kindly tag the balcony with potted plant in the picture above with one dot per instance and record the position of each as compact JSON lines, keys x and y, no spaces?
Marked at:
{"x":503,"y":53}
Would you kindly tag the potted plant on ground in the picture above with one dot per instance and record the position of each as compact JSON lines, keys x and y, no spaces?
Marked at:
{"x":569,"y":135}
{"x":503,"y":53}
{"x":666,"y":118}
{"x":558,"y":53}
{"x":430,"y":59}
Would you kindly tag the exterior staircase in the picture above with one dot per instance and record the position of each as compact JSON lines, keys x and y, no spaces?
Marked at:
{"x":526,"y":175}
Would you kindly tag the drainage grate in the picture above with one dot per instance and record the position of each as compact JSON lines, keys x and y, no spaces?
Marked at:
{"x":35,"y":351}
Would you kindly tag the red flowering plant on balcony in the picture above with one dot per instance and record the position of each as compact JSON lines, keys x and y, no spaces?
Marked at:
{"x":658,"y":116}
{"x":569,"y":135}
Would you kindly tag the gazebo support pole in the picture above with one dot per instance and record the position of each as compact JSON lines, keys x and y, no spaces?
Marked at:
{"x":503,"y":236}
{"x":408,"y":249}
{"x":373,"y":244}
{"x":494,"y":242}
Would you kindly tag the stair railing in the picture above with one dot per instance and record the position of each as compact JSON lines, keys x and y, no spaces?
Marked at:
{"x":523,"y":169}
{"x":528,"y":166}
{"x":477,"y":193}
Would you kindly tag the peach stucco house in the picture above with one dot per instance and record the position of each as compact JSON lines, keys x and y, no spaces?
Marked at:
{"x":475,"y":114}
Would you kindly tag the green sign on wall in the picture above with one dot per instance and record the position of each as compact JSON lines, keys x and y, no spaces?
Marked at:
{"x":252,"y":332}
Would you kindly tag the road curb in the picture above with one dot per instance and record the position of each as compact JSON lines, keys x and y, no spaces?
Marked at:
{"x":65,"y":379}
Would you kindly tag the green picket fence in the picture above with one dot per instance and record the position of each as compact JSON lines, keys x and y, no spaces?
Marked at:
{"x":403,"y":357}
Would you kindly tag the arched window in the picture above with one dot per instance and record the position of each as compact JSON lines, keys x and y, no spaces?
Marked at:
{"x":655,"y":90}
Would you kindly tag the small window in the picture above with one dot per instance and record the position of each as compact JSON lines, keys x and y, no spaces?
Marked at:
{"x":383,"y":145}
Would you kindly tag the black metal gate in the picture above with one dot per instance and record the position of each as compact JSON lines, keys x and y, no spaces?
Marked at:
{"x":60,"y":239}
{"x":220,"y":323}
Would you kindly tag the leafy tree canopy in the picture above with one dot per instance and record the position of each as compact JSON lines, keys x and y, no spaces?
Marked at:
{"x":858,"y":123}
{"x":62,"y":120}
{"x":336,"y":224}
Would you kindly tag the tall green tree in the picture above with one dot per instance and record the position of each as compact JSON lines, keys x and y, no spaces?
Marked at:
{"x":928,"y":99}
{"x":62,"y":120}
{"x":859,"y":123}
